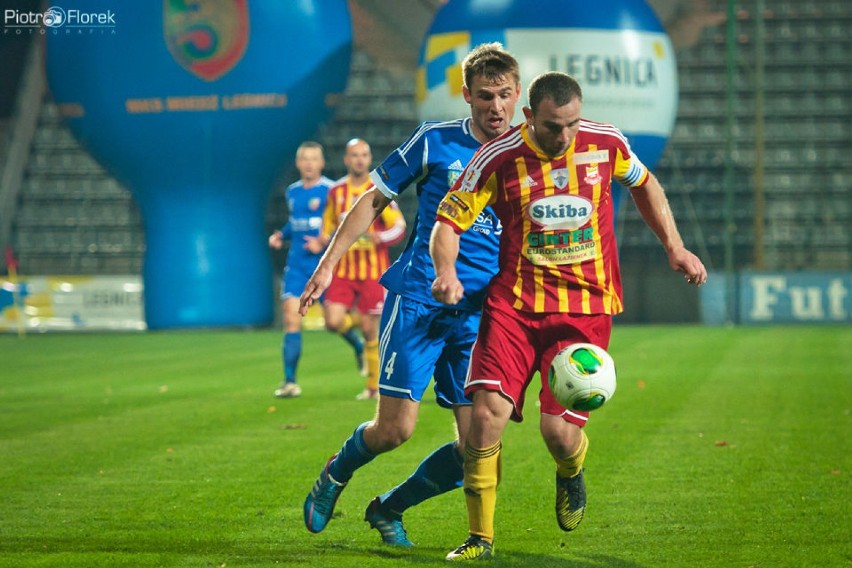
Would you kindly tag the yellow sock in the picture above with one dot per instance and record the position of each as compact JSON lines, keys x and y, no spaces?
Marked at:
{"x":346,"y":325}
{"x":571,"y":466}
{"x":481,"y":478}
{"x":371,"y":354}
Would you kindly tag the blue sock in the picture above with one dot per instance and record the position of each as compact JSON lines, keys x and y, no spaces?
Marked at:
{"x":440,"y":472}
{"x":354,"y":339}
{"x":291,"y":351}
{"x":352,"y":456}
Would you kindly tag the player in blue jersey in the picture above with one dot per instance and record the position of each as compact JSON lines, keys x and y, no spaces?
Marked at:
{"x":420,"y":338}
{"x":306,"y":201}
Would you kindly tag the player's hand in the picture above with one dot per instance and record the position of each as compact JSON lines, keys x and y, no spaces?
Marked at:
{"x":447,"y":289}
{"x":276,"y":240}
{"x":314,"y":245}
{"x":315,"y":287}
{"x":682,"y":260}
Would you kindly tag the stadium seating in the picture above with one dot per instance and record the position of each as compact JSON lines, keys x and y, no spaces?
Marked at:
{"x":72,"y":217}
{"x":808,"y":77}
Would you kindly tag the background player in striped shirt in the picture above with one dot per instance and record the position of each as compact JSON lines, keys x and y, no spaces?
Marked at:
{"x":420,"y":337}
{"x":306,"y":201}
{"x":549,"y":180}
{"x":355,"y":280}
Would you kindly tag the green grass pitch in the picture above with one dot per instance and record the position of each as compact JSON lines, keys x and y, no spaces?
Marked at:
{"x":721,"y":448}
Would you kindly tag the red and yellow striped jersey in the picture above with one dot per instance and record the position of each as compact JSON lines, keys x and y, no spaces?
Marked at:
{"x":368,"y":257}
{"x":557,"y":250}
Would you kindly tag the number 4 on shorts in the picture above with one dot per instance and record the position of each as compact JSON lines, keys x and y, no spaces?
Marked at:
{"x":389,"y":364}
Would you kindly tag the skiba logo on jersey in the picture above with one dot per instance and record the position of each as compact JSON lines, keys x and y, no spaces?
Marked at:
{"x":561,"y":211}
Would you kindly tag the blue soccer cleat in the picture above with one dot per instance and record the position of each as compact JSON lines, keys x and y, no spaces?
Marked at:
{"x":388,"y":524}
{"x":320,"y":502}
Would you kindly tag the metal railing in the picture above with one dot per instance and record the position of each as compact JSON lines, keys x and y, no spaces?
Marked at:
{"x":20,"y":132}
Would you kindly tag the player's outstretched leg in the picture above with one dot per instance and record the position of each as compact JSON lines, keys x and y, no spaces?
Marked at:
{"x":570,"y":501}
{"x":474,"y":548}
{"x":387,"y":523}
{"x":439,"y":472}
{"x":353,"y":454}
{"x":319,"y":505}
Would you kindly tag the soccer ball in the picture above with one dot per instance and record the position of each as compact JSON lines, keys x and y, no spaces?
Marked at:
{"x":582,"y":377}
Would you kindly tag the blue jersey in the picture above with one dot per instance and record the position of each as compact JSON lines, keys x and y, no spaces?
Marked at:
{"x":306,"y":207}
{"x":432,"y":158}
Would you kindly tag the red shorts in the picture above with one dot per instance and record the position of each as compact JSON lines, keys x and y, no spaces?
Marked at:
{"x":367,"y":296}
{"x":512,"y":346}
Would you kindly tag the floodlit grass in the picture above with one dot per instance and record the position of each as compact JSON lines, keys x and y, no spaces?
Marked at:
{"x":722,"y":448}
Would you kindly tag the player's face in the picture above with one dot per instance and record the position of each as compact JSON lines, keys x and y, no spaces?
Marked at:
{"x":492,"y":105}
{"x":554,"y":127}
{"x":357,"y":158}
{"x":310,"y":163}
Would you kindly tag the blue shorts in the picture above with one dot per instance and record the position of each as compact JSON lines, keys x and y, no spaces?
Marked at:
{"x":418,"y":342}
{"x":293,"y":281}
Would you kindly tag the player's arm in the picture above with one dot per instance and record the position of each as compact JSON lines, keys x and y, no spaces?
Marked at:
{"x":276,"y":239}
{"x":444,"y":250}
{"x":457,"y":212}
{"x":392,"y":227}
{"x":356,"y":223}
{"x":654,"y":207}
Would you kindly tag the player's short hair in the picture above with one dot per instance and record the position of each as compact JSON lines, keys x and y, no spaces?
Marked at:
{"x":561,"y":88}
{"x":491,"y":61}
{"x":308,"y":145}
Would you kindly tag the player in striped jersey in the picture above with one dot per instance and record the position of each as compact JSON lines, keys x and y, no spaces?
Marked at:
{"x":355,"y":283}
{"x":306,"y":201}
{"x":421,"y":338}
{"x":549,"y":181}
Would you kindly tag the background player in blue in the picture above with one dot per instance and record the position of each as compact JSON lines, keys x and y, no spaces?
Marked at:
{"x":306,"y":201}
{"x":419,"y":337}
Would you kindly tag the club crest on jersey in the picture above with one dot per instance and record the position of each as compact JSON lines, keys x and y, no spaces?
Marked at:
{"x":559,"y":177}
{"x":314,"y":203}
{"x":566,"y":212}
{"x":593,"y":176}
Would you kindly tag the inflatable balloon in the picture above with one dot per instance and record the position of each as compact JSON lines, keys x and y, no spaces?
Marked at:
{"x":617,"y":50}
{"x":196,"y":105}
